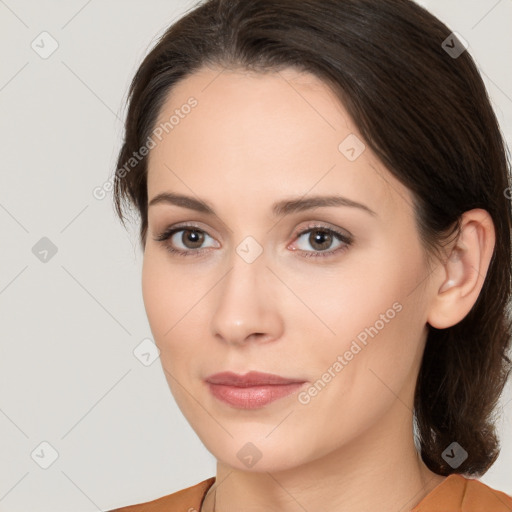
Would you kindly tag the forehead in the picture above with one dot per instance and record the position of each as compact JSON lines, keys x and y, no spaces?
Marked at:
{"x":255,"y":135}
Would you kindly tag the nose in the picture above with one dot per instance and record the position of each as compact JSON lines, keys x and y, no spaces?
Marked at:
{"x":247,"y":304}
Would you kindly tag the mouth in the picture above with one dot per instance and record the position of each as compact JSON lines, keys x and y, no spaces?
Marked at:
{"x":252,"y":390}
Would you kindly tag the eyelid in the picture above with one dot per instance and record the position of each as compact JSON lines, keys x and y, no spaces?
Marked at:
{"x":324,"y":225}
{"x":179,"y":226}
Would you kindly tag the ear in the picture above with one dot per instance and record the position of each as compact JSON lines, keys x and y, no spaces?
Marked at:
{"x":458,"y":280}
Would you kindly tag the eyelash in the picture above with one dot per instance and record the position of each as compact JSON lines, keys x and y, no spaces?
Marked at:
{"x":168,"y":233}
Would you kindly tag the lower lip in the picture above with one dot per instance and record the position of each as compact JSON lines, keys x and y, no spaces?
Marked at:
{"x":252,"y":397}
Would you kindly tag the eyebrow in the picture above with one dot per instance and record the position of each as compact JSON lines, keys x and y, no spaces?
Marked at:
{"x":279,"y":209}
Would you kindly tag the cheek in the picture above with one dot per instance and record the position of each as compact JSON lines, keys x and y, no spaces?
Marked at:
{"x":157,"y":295}
{"x":344,"y":301}
{"x":166,"y":298}
{"x":371,"y":313}
{"x":173,"y":303}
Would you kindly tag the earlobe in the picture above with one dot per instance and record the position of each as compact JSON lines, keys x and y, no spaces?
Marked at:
{"x":459,"y":280}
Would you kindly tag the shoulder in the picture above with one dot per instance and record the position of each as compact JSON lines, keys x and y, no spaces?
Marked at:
{"x":186,"y":500}
{"x":460,"y":494}
{"x":479,"y":496}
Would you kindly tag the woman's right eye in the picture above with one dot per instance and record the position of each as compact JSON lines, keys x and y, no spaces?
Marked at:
{"x":190,"y":237}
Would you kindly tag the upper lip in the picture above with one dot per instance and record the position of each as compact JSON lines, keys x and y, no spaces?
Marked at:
{"x":249,"y":379}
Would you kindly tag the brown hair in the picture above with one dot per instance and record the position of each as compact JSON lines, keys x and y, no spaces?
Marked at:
{"x":426,"y":115}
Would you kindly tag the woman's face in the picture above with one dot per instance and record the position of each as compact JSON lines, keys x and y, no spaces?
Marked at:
{"x":344,"y":315}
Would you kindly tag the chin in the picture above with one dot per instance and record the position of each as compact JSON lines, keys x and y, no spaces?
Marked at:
{"x":251,"y":451}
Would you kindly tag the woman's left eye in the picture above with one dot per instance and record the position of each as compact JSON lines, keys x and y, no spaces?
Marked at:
{"x":192,"y":238}
{"x":321,"y":238}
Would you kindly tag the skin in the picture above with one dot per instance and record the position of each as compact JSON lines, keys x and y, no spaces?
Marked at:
{"x":254,"y":139}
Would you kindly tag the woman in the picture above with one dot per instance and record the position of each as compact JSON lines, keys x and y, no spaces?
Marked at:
{"x":322,"y":188}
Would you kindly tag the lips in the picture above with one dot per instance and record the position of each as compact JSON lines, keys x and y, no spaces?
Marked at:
{"x":252,"y":390}
{"x":250,"y":379}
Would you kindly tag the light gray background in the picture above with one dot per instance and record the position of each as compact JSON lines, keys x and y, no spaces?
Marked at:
{"x":69,"y":326}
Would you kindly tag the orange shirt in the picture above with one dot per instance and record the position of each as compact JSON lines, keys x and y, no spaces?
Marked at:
{"x":454,"y":494}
